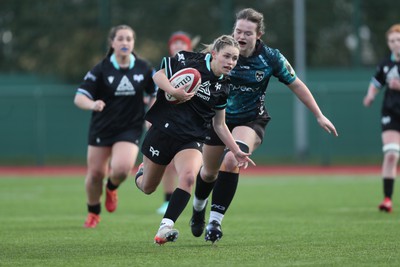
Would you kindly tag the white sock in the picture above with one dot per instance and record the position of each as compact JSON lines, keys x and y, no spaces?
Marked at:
{"x":166,"y":222}
{"x":199,"y":204}
{"x":216,"y":216}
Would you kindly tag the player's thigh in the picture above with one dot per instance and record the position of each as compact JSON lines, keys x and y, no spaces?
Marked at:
{"x":247,"y":136}
{"x":97,"y":160}
{"x":188,"y":163}
{"x":152,"y":174}
{"x":390,"y":136}
{"x":124,"y":155}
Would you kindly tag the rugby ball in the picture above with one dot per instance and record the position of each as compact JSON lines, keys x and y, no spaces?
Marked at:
{"x":188,"y":77}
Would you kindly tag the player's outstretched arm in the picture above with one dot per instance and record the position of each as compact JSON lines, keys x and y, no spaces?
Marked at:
{"x":304,"y":94}
{"x":223,"y":132}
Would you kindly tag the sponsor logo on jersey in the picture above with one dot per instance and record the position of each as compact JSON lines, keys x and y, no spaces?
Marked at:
{"x":218,"y":86}
{"x":242,"y":88}
{"x":125,"y":87}
{"x":204,"y":91}
{"x":259,"y":75}
{"x":90,"y":76}
{"x":110,"y":79}
{"x":138,"y":77}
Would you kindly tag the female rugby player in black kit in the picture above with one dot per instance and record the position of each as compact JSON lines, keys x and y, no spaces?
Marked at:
{"x":387,"y":78}
{"x":178,"y":130}
{"x":114,"y":91}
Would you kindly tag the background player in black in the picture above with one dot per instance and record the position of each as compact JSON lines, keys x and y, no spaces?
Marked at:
{"x":178,"y":130}
{"x":178,"y":41}
{"x":114,"y":91}
{"x":388,"y":75}
{"x":247,"y":117}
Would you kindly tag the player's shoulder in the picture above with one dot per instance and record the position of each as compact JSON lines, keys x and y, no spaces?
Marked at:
{"x":103,"y":66}
{"x":186,"y":55}
{"x":267,"y":51}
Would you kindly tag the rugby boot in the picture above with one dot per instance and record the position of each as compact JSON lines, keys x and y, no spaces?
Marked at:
{"x":386,"y":205}
{"x":197,"y":222}
{"x":213,"y":232}
{"x":166,"y":234}
{"x":92,"y":220}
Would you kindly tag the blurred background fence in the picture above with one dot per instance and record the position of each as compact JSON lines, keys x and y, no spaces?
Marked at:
{"x":41,"y":126}
{"x":47,"y":46}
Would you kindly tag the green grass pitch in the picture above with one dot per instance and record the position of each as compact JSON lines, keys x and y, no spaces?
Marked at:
{"x":273,"y":221}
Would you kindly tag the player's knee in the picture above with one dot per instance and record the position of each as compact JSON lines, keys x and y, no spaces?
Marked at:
{"x":391,"y":152}
{"x":148,"y":189}
{"x":95,"y":176}
{"x":209,"y":175}
{"x":120,"y":172}
{"x":230,"y":163}
{"x":189,"y":179}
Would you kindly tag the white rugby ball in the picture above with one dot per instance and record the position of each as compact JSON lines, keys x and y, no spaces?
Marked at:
{"x":188,"y":77}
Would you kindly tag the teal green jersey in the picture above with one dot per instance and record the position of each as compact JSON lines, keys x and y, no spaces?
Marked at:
{"x":249,"y":82}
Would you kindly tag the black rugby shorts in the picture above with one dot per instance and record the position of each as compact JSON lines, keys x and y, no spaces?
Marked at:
{"x":131,"y":136}
{"x":390,"y":120}
{"x":161,"y":148}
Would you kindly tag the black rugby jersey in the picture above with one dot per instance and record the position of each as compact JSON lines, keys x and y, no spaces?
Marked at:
{"x":122,"y":91}
{"x":249,"y":82}
{"x":388,"y":69}
{"x":190,"y":120}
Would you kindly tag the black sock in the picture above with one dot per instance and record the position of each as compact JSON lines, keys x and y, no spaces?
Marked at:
{"x":168,"y":196}
{"x":110,"y":185}
{"x":96,"y":209}
{"x":224,"y":191}
{"x":388,"y":184}
{"x":203,"y":189}
{"x":177,"y":204}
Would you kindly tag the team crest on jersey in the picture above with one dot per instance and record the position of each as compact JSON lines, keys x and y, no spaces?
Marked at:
{"x":259,"y":75}
{"x":138,"y":77}
{"x":125,"y":87}
{"x":110,"y":79}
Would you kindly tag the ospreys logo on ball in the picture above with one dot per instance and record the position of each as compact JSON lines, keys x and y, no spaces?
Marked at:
{"x":259,"y":75}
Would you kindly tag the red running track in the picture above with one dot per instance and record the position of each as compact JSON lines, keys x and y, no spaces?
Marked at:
{"x":258,"y":170}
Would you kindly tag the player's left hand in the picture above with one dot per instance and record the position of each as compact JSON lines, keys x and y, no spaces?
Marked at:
{"x":327,"y":125}
{"x":243,"y":159}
